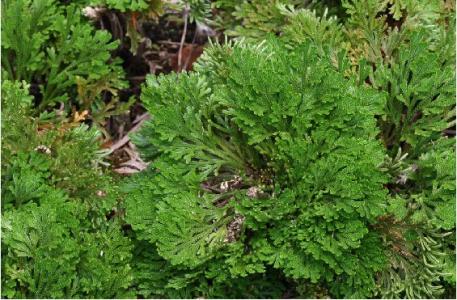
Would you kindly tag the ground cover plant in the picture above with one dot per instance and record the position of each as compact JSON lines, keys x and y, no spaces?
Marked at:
{"x":280,"y":149}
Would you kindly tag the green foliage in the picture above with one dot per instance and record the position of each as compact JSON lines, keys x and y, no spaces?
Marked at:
{"x":375,"y":29}
{"x":233,"y":126}
{"x":256,"y":19}
{"x":67,"y":157}
{"x":56,"y":241}
{"x":406,"y":52}
{"x":304,"y":24}
{"x":423,"y":254}
{"x":16,"y":130}
{"x":420,"y":230}
{"x":129,"y":5}
{"x":319,"y":163}
{"x":372,"y":30}
{"x":39,"y":258}
{"x":47,"y":255}
{"x":52,"y":47}
{"x":417,"y":264}
{"x":175,"y":282}
{"x":421,"y":95}
{"x":257,"y":173}
{"x":435,"y":178}
{"x":200,"y":10}
{"x":251,"y":19}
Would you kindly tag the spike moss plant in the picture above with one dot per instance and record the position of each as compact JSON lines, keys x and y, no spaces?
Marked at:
{"x":312,"y":158}
{"x":265,"y":162}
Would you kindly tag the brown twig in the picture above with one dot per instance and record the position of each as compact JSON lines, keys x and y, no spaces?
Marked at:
{"x":125,"y":139}
{"x":170,"y":43}
{"x":183,"y":36}
{"x":191,"y":51}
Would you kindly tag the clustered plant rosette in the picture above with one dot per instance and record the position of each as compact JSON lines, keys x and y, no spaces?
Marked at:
{"x":264,"y":159}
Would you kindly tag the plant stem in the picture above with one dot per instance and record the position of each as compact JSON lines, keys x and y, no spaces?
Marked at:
{"x":183,"y":36}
